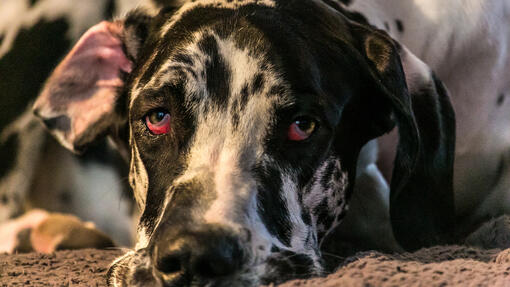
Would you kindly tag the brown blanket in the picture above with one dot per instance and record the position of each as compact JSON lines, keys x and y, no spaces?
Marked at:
{"x":437,"y":266}
{"x":488,"y":265}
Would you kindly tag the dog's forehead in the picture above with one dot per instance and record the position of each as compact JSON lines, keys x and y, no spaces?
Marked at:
{"x":217,"y":4}
{"x":210,"y":66}
{"x":213,"y":62}
{"x":255,"y":27}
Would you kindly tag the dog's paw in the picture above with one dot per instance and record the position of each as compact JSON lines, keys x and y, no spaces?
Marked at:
{"x":41,"y":231}
{"x":62,"y":231}
{"x":16,"y":232}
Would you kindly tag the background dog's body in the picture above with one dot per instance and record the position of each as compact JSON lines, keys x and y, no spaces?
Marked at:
{"x":36,"y":171}
{"x":467,"y":44}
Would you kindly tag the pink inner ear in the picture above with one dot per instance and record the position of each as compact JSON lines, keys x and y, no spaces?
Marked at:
{"x":84,"y":86}
{"x":101,"y":47}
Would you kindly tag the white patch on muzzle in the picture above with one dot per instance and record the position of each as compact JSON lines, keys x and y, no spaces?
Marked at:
{"x":222,"y":155}
{"x":303,"y":236}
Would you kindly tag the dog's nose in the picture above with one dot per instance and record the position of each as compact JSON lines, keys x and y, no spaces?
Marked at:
{"x":202,"y":255}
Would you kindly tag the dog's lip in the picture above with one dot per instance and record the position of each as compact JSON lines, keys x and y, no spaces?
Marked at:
{"x":182,"y":278}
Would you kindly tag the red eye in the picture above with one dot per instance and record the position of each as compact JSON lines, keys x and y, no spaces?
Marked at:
{"x":158,"y":122}
{"x":301,"y":129}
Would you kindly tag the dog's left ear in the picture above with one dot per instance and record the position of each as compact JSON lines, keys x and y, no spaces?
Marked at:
{"x":83,"y":100}
{"x":405,"y":92}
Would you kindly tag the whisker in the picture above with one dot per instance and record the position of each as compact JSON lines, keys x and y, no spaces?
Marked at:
{"x":333,"y":255}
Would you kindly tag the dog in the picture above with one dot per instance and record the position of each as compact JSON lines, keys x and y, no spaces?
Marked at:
{"x":251,"y":123}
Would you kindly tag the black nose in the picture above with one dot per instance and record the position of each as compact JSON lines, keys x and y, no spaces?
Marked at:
{"x":205,"y":255}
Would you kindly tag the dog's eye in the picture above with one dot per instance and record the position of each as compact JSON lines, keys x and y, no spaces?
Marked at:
{"x":301,"y":129}
{"x":158,"y":122}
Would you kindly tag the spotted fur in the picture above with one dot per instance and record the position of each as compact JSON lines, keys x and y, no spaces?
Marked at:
{"x":226,"y":198}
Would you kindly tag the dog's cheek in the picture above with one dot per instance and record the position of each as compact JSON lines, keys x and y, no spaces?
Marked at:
{"x":325,"y":196}
{"x":119,"y":269}
{"x":138,"y":178}
{"x":287,"y":265}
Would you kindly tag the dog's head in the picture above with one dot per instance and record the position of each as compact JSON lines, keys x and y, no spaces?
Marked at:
{"x":243,"y":121}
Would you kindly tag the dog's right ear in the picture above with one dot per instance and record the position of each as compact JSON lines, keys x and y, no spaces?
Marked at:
{"x":82,"y":99}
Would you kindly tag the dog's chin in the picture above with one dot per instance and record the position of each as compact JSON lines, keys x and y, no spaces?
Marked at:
{"x":120,"y":276}
{"x":135,"y":269}
{"x":287,"y":265}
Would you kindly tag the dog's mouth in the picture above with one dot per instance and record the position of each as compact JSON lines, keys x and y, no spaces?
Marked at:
{"x":136,"y":269}
{"x":246,"y":279}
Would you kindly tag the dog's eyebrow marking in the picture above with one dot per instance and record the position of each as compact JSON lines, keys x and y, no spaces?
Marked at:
{"x":137,"y":86}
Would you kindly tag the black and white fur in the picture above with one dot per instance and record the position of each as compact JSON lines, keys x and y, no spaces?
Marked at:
{"x":225,"y":198}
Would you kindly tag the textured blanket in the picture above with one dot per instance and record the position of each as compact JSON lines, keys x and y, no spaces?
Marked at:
{"x":485,"y":265}
{"x":437,"y":266}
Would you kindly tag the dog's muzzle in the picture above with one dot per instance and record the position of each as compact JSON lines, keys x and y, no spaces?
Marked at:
{"x":205,"y":256}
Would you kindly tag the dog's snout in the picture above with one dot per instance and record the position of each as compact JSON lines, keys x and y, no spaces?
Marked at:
{"x":202,"y":255}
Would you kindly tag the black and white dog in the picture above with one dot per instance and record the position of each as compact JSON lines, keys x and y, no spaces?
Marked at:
{"x":245,"y":122}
